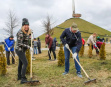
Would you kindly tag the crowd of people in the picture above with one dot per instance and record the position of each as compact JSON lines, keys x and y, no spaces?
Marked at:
{"x":70,"y":38}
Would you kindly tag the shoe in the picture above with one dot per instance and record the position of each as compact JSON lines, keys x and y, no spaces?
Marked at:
{"x":23,"y":80}
{"x":8,"y":63}
{"x":54,"y":59}
{"x":64,"y":73}
{"x":19,"y":77}
{"x":79,"y":75}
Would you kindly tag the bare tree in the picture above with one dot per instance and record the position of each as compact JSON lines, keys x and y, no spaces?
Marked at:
{"x":12,"y":23}
{"x":47,"y":24}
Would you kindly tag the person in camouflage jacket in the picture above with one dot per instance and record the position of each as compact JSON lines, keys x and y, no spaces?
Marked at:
{"x":22,"y":44}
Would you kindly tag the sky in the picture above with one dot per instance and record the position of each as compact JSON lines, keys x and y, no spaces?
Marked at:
{"x":97,"y":12}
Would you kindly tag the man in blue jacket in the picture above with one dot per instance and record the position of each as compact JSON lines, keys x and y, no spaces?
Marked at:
{"x":71,"y":37}
{"x":9,"y":47}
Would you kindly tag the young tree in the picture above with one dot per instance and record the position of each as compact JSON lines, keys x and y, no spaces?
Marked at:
{"x":28,"y":56}
{"x":11,"y":24}
{"x":3,"y":63}
{"x":81,"y":52}
{"x":90,"y":51}
{"x":61,"y":57}
{"x":102,"y":53}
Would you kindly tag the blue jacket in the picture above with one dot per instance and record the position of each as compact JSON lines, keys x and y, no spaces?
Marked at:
{"x":54,"y":41}
{"x":10,"y":43}
{"x":72,"y":39}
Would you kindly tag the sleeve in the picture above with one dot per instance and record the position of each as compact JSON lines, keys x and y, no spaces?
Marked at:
{"x":12,"y":45}
{"x":45,"y":40}
{"x":93,"y":40}
{"x":20,"y":40}
{"x":79,"y":43}
{"x":63,"y":35}
{"x":50,"y":43}
{"x":40,"y":44}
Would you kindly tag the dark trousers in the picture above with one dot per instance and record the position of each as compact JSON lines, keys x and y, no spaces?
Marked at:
{"x":8,"y":57}
{"x":49,"y":53}
{"x":39,"y":49}
{"x":91,"y":45}
{"x":22,"y":63}
{"x":97,"y":51}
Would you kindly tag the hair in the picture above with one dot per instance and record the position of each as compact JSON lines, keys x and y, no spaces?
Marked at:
{"x":94,"y":33}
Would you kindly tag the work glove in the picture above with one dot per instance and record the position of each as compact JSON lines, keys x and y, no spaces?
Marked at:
{"x":95,"y":45}
{"x":75,"y":55}
{"x":31,"y":49}
{"x":9,"y":48}
{"x":67,"y":46}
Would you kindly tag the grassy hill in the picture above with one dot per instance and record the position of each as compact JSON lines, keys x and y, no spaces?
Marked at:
{"x":82,"y":25}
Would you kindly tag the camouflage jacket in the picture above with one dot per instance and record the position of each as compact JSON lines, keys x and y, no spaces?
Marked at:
{"x":22,"y":43}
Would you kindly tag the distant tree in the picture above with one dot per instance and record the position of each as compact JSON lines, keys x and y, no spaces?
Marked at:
{"x":11,"y":24}
{"x":90,"y":51}
{"x":3,"y":64}
{"x":81,"y":52}
{"x":47,"y":24}
{"x":102,"y":53}
{"x":61,"y":57}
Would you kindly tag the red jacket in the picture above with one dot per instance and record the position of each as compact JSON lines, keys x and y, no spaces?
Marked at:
{"x":83,"y":41}
{"x":98,"y":43}
{"x":49,"y":41}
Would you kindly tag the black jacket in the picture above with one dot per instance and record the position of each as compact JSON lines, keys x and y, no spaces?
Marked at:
{"x":39,"y":44}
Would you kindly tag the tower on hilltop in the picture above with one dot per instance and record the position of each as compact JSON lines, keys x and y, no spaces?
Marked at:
{"x":75,"y":15}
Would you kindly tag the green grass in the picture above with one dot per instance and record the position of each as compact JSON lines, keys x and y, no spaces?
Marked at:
{"x":50,"y":75}
{"x":82,"y":25}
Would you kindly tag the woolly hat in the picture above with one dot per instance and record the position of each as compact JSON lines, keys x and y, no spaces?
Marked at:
{"x":25,"y":21}
{"x":11,"y":36}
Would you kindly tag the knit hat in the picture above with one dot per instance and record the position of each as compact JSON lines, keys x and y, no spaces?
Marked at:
{"x":25,"y":21}
{"x":74,"y":26}
{"x":11,"y":36}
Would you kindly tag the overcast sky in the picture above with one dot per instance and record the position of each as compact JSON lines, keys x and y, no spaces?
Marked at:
{"x":95,"y":11}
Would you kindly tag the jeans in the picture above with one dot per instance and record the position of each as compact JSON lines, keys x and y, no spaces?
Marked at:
{"x":67,"y":64}
{"x":35,"y":49}
{"x":22,"y":63}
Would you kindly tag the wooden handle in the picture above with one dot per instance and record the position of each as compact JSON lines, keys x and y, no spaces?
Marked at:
{"x":79,"y":64}
{"x":31,"y":59}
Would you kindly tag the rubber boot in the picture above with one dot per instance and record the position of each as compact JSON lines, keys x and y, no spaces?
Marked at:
{"x":19,"y":77}
{"x":23,"y":80}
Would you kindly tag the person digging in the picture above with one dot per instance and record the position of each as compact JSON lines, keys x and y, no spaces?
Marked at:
{"x":22,"y":44}
{"x":9,"y":47}
{"x":51,"y":46}
{"x":71,"y":37}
